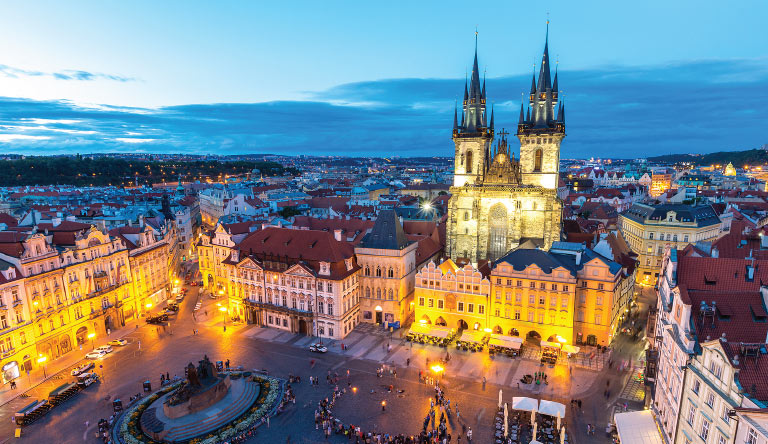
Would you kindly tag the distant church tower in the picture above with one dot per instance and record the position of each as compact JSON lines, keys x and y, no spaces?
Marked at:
{"x":473,"y":137}
{"x":541,"y":131}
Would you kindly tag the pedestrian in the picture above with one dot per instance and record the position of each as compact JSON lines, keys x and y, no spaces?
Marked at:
{"x":86,"y":424}
{"x":579,"y":403}
{"x":469,"y":435}
{"x":408,"y":362}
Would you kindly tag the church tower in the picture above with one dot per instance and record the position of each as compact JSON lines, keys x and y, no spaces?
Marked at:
{"x":474,"y":135}
{"x":541,"y":129}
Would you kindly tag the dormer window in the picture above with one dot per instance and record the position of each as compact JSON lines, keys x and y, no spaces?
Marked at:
{"x":348,"y":263}
{"x":325,"y":268}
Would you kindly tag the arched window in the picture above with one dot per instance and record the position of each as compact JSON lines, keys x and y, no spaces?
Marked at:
{"x":469,"y":162}
{"x":391,"y":273}
{"x":537,"y":160}
{"x":391,"y":295}
{"x":378,"y":271}
{"x":378,"y":293}
{"x":367,"y":292}
{"x":466,"y":215}
{"x":367,"y":271}
{"x":320,"y":306}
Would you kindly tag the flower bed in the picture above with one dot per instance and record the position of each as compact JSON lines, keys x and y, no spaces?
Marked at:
{"x":270,"y":397}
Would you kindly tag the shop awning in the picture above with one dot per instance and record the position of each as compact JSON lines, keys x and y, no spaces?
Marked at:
{"x":637,"y":428}
{"x":420,"y":329}
{"x":472,"y":336}
{"x":523,"y":403}
{"x":442,"y":334}
{"x":570,"y":349}
{"x":510,"y":342}
{"x":551,"y":408}
{"x":550,"y":344}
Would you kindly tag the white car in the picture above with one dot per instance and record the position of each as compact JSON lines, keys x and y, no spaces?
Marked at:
{"x":119,"y":342}
{"x":96,"y":354}
{"x":105,"y":348}
{"x":318,"y":348}
{"x":80,"y":369}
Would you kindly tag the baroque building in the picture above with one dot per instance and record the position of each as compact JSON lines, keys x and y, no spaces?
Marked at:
{"x":498,"y":202}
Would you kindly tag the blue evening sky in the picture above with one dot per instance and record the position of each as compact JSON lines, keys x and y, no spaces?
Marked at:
{"x":373,"y":77}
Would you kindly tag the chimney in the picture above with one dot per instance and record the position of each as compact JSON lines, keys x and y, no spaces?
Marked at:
{"x":715,"y":252}
{"x":56,"y":221}
{"x":337,"y":235}
{"x":578,"y":258}
{"x":235,"y":255}
{"x":722,"y":337}
{"x":141,"y":220}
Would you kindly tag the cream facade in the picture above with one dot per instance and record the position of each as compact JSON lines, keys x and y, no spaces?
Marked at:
{"x":650,"y":229}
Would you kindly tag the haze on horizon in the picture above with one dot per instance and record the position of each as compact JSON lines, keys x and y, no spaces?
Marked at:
{"x":355,"y":79}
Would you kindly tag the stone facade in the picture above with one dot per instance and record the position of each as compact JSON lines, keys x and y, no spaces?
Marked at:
{"x":498,"y":203}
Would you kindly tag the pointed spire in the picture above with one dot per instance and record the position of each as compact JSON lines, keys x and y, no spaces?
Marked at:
{"x":554,"y":84}
{"x":533,"y":81}
{"x":456,"y":115}
{"x":491,"y":118}
{"x":484,"y":73}
{"x":466,"y":93}
{"x":561,"y":117}
{"x":544,"y":72}
{"x":528,"y":116}
{"x":521,"y":120}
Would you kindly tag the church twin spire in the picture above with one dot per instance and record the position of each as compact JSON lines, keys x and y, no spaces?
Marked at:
{"x":545,"y":110}
{"x":543,"y":100}
{"x":474,"y":117}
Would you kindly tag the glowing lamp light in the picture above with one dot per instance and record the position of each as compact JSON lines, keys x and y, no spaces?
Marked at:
{"x":91,"y":335}
{"x":437,"y":368}
{"x":41,"y":359}
{"x":354,"y":389}
{"x":383,"y":403}
{"x":221,"y":291}
{"x":561,"y":339}
{"x":487,"y":330}
{"x":427,"y":206}
{"x":422,"y":321}
{"x":149,"y":305}
{"x":222,"y":309}
{"x":176,"y":282}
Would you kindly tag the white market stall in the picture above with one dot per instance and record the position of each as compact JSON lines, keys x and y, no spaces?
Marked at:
{"x":637,"y":428}
{"x":509,"y":345}
{"x":525,"y":403}
{"x":551,"y":408}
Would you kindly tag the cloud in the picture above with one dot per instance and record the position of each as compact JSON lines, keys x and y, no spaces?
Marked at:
{"x":611,"y":111}
{"x":12,"y":72}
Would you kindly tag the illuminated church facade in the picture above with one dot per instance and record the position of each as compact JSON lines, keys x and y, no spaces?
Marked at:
{"x":498,"y":202}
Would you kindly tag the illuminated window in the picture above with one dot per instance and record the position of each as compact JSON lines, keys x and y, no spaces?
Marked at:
{"x":537,"y":160}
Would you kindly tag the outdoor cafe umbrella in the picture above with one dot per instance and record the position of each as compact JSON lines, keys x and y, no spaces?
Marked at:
{"x":499,"y":399}
{"x":562,"y":435}
{"x":506,"y":420}
{"x":535,"y":426}
{"x":533,"y":417}
{"x":558,"y":420}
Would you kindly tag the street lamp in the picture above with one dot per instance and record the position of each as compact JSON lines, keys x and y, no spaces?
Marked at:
{"x":41,"y":361}
{"x":91,"y":336}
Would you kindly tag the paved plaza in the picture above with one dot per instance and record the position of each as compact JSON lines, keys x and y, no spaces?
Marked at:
{"x":154,"y":350}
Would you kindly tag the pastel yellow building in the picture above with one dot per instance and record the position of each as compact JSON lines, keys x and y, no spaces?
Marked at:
{"x":569,"y":294}
{"x":648,"y":229}
{"x":451,"y":296}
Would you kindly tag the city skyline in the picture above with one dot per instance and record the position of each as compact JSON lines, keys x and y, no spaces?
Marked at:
{"x":674,"y":91}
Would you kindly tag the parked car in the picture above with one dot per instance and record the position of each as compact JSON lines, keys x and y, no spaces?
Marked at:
{"x":158,"y":319}
{"x":96,"y":354}
{"x":179,"y":298}
{"x":120,"y":342}
{"x":174,"y":307}
{"x":318,"y":348}
{"x":80,"y":369}
{"x":168,"y":312}
{"x":105,"y":348}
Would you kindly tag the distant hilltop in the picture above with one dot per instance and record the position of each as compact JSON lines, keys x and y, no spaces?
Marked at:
{"x":737,"y":158}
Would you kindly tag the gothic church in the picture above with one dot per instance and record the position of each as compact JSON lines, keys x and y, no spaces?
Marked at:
{"x":497,"y":202}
